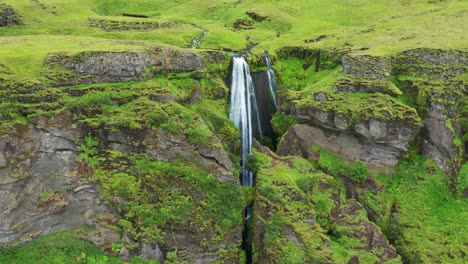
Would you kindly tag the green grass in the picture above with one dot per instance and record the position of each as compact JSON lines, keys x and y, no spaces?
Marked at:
{"x":383,"y":27}
{"x":420,"y":214}
{"x":23,"y":56}
{"x":59,"y":248}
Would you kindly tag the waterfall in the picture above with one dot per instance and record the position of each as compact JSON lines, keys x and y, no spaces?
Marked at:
{"x":271,"y":79}
{"x":244,"y":112}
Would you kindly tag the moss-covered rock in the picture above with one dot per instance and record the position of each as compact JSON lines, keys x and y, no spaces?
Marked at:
{"x":300,"y":216}
{"x":367,"y":67}
{"x":351,"y":84}
{"x":435,"y":84}
{"x":8,"y":16}
{"x":95,"y":67}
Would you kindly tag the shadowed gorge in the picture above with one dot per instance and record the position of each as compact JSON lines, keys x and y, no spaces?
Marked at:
{"x":226,"y":131}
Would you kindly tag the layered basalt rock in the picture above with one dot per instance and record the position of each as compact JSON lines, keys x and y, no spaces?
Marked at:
{"x":301,"y":137}
{"x":427,"y":76}
{"x":94,"y":67}
{"x":376,"y":141}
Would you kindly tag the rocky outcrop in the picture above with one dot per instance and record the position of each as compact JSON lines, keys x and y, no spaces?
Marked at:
{"x":350,"y":221}
{"x":43,"y":186}
{"x":162,"y":145}
{"x":376,"y":141}
{"x":354,"y":85}
{"x":45,"y":181}
{"x":301,"y":137}
{"x":8,"y":16}
{"x":432,"y":63}
{"x":298,"y":211}
{"x":439,"y":98}
{"x":367,"y":67}
{"x":94,"y":67}
{"x":392,"y":131}
{"x":119,"y":25}
{"x":438,"y":142}
{"x":243,"y":24}
{"x":256,"y":16}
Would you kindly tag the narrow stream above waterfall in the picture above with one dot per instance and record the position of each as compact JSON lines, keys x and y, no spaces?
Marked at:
{"x":252,"y":118}
{"x":197,"y":41}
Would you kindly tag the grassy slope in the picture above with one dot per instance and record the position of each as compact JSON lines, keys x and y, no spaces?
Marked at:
{"x":382,"y":27}
{"x":62,"y":247}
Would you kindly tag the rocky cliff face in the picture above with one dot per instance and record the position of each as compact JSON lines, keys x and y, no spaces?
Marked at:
{"x":153,"y":169}
{"x":45,"y":188}
{"x":429,"y":76}
{"x":301,"y":137}
{"x":95,"y":67}
{"x":387,"y":129}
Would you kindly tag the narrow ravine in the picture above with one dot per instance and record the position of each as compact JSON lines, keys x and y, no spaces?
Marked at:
{"x":244,"y":112}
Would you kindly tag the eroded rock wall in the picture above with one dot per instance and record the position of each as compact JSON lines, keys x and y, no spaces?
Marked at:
{"x":44,"y":188}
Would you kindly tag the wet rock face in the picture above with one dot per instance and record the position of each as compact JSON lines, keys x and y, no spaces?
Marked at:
{"x":43,"y":188}
{"x":8,"y":16}
{"x":94,"y":67}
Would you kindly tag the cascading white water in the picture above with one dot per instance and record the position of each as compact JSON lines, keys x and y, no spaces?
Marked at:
{"x":271,"y":79}
{"x":244,"y":112}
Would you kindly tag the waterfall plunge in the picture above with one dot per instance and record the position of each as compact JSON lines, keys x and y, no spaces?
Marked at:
{"x":271,"y":79}
{"x":244,"y":112}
